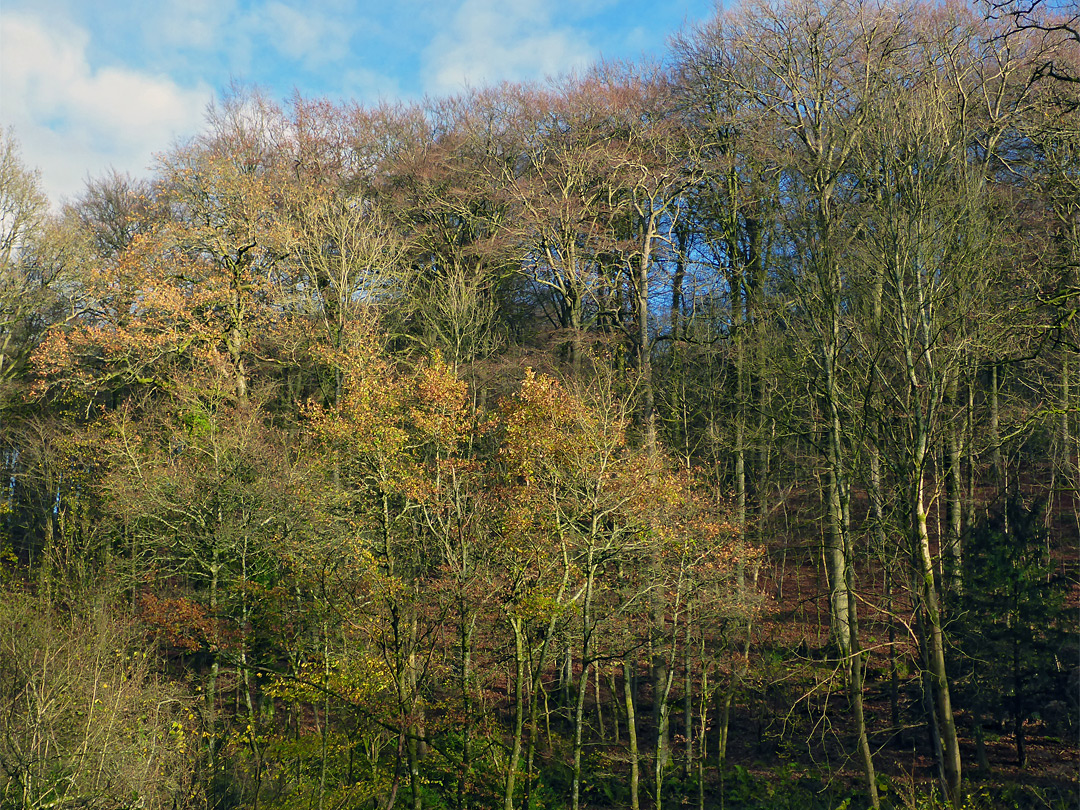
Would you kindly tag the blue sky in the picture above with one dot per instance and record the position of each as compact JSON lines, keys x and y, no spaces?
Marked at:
{"x":93,"y":84}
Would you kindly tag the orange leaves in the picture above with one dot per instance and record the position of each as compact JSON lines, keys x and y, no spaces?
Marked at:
{"x":545,"y":426}
{"x":546,"y":492}
{"x":204,"y":282}
{"x":390,"y":430}
{"x":575,"y":477}
{"x":181,"y":623}
{"x":54,"y":359}
{"x":223,"y":207}
{"x":439,"y":411}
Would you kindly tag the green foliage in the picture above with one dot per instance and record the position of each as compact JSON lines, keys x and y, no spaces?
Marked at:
{"x":788,"y":788}
{"x":1013,"y":626}
{"x":901,"y":796}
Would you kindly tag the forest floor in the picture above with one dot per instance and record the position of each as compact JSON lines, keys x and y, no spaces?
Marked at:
{"x":792,"y":720}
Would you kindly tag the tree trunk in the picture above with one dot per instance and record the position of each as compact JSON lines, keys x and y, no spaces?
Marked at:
{"x":466,"y":640}
{"x":855,"y":691}
{"x":215,"y":666}
{"x":583,"y":680}
{"x":997,"y":462}
{"x":936,"y":648}
{"x":519,"y":712}
{"x":838,"y":500}
{"x":688,"y":708}
{"x":579,"y":722}
{"x":631,"y":730}
{"x":953,"y":552}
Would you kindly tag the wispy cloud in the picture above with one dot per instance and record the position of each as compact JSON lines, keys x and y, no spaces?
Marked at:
{"x":489,"y":40}
{"x":304,"y":36}
{"x":192,"y":25}
{"x":73,"y":119}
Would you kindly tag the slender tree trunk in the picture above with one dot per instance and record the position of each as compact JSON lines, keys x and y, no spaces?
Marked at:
{"x":703,"y":724}
{"x":466,"y":640}
{"x":215,"y":665}
{"x":927,"y":686}
{"x":678,"y":277}
{"x":688,"y":707}
{"x":579,"y":723}
{"x":412,"y":756}
{"x":723,"y":720}
{"x":660,"y":762}
{"x":838,"y":499}
{"x":577,"y":327}
{"x":736,"y":288}
{"x":631,"y":730}
{"x":855,"y":687}
{"x":997,"y":462}
{"x":583,"y":680}
{"x":894,"y":673}
{"x":519,"y":711}
{"x":614,"y":692}
{"x":1069,"y":456}
{"x":535,"y":690}
{"x":953,"y":551}
{"x":936,"y":646}
{"x":253,"y":720}
{"x":599,"y":712}
{"x":971,"y":466}
{"x":325,"y":736}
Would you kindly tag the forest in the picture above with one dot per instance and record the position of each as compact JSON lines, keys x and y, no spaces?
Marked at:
{"x":690,"y":433}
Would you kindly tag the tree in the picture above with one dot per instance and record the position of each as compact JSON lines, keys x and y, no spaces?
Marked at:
{"x":37,"y":255}
{"x":615,"y":515}
{"x":568,"y":189}
{"x":1050,"y":17}
{"x":383,"y":438}
{"x":112,"y":210}
{"x":202,"y":285}
{"x":196,"y":481}
{"x":86,"y":719}
{"x":23,"y":205}
{"x":1012,"y":633}
{"x":439,"y":191}
{"x":802,"y":74}
{"x":920,"y":335}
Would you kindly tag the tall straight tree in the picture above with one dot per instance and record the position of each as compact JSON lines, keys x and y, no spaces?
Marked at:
{"x":930,"y":229}
{"x":803,"y":71}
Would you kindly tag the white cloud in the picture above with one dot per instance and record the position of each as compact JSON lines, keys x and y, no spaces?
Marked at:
{"x":491,"y":40}
{"x":73,"y":119}
{"x":304,"y":36}
{"x":198,"y":25}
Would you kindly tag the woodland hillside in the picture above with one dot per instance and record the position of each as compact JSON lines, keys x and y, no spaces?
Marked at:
{"x":700,"y":433}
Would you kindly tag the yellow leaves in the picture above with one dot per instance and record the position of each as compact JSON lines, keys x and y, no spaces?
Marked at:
{"x":439,"y":409}
{"x":538,"y":603}
{"x":202,"y":279}
{"x":360,"y":679}
{"x":553,"y":488}
{"x":390,"y":430}
{"x":580,"y":488}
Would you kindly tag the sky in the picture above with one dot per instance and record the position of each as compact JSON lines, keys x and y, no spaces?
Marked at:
{"x":93,"y":85}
